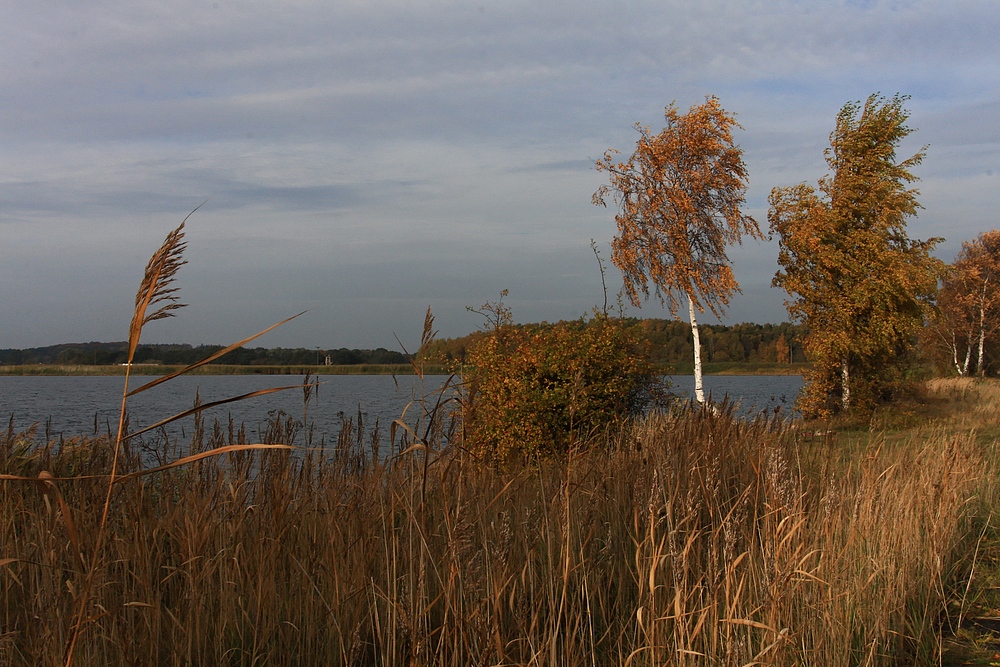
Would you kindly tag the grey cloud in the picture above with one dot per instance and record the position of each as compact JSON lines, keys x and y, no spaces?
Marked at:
{"x":435,"y":151}
{"x":148,"y":73}
{"x":559,"y":165}
{"x":36,"y":197}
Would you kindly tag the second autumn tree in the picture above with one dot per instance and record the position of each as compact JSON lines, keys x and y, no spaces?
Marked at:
{"x":854,"y":277}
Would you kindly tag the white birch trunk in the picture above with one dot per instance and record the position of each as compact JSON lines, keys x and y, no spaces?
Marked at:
{"x":954,"y":354}
{"x":961,"y":368}
{"x":699,"y":391}
{"x":845,"y":382}
{"x":980,"y":367}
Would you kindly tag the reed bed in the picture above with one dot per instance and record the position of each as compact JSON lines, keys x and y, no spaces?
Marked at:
{"x":686,"y":538}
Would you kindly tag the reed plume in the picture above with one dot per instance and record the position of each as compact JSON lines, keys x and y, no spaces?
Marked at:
{"x":156,"y":299}
{"x":156,"y":287}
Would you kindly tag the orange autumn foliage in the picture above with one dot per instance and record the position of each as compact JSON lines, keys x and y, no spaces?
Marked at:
{"x":853,"y":276}
{"x":679,"y":201}
{"x":967,"y":319}
{"x":679,"y":205}
{"x":543,"y":390}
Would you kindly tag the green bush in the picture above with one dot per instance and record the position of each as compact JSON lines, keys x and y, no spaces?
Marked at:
{"x":542,"y":390}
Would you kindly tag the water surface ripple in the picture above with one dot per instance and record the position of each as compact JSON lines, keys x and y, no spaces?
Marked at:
{"x":70,"y":405}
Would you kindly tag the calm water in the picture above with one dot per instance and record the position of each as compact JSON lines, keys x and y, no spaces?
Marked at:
{"x":70,"y":404}
{"x":754,"y":392}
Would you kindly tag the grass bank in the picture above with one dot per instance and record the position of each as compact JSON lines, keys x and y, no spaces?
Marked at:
{"x":686,"y":538}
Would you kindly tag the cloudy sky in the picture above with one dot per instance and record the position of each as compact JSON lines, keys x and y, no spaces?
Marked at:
{"x":364,"y":160}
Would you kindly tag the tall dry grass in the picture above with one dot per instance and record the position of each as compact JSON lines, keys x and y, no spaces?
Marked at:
{"x":156,"y":299}
{"x":689,"y":538}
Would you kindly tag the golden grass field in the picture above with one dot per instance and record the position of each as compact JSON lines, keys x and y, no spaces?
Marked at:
{"x":685,"y":538}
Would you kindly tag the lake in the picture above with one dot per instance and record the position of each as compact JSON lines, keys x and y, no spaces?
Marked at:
{"x":70,"y":405}
{"x":753,"y":392}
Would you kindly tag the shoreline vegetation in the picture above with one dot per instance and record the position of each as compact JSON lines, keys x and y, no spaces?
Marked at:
{"x":684,"y":534}
{"x":550,"y":504}
{"x":711,"y":368}
{"x":216,"y":369}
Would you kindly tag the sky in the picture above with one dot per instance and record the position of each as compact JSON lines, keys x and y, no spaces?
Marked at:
{"x":366,"y":160}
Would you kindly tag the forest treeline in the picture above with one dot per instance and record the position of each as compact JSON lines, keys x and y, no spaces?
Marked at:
{"x":670,"y":342}
{"x":103,"y":354}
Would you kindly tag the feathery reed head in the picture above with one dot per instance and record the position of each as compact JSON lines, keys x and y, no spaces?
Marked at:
{"x":429,"y":333}
{"x":156,"y":286}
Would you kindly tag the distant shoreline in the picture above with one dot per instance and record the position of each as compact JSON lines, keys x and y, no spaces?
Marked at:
{"x":215,"y":369}
{"x":710,"y":368}
{"x":739,"y":368}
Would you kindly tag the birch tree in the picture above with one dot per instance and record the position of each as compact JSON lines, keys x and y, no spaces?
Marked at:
{"x":679,"y":198}
{"x":968,"y":314}
{"x":853,"y":276}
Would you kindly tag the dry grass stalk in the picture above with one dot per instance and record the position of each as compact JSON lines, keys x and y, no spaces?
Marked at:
{"x":156,"y":288}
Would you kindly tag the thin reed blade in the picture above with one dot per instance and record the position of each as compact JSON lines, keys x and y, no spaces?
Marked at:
{"x":197,"y":457}
{"x":205,"y":406}
{"x":210,"y":359}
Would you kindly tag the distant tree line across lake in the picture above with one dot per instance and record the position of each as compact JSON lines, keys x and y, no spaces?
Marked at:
{"x":103,"y":354}
{"x":669,"y":340}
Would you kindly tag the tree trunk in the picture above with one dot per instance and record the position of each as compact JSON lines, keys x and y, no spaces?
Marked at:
{"x":968,"y":358}
{"x":980,"y":366}
{"x":699,"y":391}
{"x":961,"y":368}
{"x":954,"y":354}
{"x":845,"y":385}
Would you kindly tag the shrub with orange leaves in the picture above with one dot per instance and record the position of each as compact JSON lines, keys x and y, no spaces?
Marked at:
{"x":543,"y":390}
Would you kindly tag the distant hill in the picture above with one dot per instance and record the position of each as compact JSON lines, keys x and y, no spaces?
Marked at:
{"x":103,"y":354}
